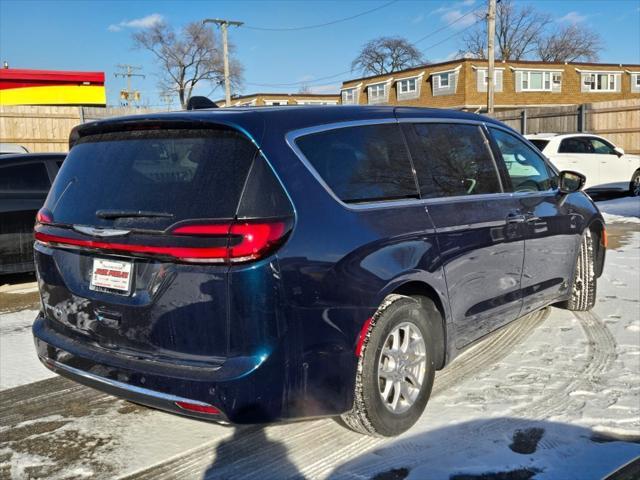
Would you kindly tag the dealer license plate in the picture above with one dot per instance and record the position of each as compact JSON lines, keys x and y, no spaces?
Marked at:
{"x":111,"y":276}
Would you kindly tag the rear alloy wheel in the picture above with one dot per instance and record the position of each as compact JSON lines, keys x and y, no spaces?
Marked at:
{"x":634,"y":186}
{"x":396,"y":368}
{"x":583,"y":288}
{"x":401,"y":367}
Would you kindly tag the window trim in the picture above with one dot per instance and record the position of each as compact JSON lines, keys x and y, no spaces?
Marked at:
{"x":547,"y":76}
{"x":316,"y":102}
{"x":292,"y":136}
{"x":356,"y":94}
{"x":409,"y":94}
{"x":484,"y":72}
{"x":593,"y":83}
{"x":449,"y":73}
{"x":615,"y":74}
{"x":408,"y":91}
{"x":281,"y":102}
{"x":386,"y":87}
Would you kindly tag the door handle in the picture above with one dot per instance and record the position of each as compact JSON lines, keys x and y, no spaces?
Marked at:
{"x":516,"y":218}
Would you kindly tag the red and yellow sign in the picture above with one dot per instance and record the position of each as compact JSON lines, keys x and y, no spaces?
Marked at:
{"x":46,"y":87}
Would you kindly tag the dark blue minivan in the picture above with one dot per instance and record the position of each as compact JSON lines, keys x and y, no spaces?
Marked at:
{"x":264,"y":264}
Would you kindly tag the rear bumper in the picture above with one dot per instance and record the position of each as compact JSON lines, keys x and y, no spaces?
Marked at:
{"x":243,"y":389}
{"x":144,"y":396}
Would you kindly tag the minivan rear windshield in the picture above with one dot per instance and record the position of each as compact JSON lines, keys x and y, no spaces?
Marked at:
{"x":183,"y":173}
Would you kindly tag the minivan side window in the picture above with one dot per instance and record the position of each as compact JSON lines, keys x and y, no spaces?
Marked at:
{"x":527,"y":170}
{"x":362,"y":164}
{"x":27,"y":177}
{"x":452,"y":159}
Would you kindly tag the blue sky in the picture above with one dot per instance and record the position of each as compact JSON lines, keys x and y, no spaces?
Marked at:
{"x":96,"y":35}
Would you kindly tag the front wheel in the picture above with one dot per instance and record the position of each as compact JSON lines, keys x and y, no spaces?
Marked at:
{"x":634,"y":185}
{"x":396,"y":368}
{"x":583,"y":288}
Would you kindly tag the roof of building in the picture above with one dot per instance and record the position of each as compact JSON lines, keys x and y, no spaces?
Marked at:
{"x":281,"y":95}
{"x":498,"y":62}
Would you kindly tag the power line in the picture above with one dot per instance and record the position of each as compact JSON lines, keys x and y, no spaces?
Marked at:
{"x":454,"y":35}
{"x":474,"y":10}
{"x":319,"y":25}
{"x":331,"y":77}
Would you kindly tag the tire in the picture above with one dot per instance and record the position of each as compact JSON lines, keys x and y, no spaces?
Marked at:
{"x":634,"y":185}
{"x":371,"y":415}
{"x":583,"y":287}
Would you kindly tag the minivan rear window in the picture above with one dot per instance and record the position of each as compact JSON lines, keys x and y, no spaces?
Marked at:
{"x":362,"y":164}
{"x":180,"y":173}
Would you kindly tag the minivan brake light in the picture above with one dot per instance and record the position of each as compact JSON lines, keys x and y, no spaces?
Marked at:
{"x":244,"y":241}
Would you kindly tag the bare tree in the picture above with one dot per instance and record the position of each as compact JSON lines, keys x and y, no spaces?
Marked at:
{"x":385,"y":55}
{"x":519,"y":30}
{"x":569,"y":44}
{"x":304,"y":88}
{"x":187,"y":58}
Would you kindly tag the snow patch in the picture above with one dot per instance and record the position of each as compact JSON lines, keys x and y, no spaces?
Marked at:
{"x":19,"y":364}
{"x":621,"y":210}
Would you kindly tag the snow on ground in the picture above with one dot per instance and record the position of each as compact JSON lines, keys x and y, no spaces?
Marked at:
{"x":620,"y":210}
{"x":19,"y":363}
{"x":561,"y":405}
{"x":561,"y":401}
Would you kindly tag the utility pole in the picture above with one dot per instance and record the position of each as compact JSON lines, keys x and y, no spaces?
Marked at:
{"x":126,"y":71}
{"x":224,"y":25}
{"x":491,"y":33}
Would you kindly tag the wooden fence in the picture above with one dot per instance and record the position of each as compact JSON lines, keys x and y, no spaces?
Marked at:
{"x":46,"y":129}
{"x":619,"y":121}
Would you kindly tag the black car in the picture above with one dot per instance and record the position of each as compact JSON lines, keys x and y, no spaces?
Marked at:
{"x":265,"y":264}
{"x":25,"y":180}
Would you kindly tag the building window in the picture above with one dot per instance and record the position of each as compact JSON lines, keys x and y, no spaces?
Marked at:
{"x":317,"y":102}
{"x":483,"y":79}
{"x":408,"y":86}
{"x":635,"y":80}
{"x":377,"y":93}
{"x":350,"y":96}
{"x":443,"y":80}
{"x":536,"y":81}
{"x":444,"y":83}
{"x":600,"y":82}
{"x":276,"y":102}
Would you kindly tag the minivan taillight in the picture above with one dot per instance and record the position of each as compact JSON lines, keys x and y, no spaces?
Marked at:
{"x":235,"y":242}
{"x":246,"y":240}
{"x":44,"y":217}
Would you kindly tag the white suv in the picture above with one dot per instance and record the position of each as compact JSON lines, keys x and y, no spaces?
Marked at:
{"x":606,"y":166}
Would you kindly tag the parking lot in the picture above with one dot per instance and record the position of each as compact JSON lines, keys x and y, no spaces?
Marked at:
{"x":556,"y":391}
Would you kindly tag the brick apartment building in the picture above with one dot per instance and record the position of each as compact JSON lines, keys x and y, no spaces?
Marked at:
{"x":462,"y":84}
{"x":260,"y":99}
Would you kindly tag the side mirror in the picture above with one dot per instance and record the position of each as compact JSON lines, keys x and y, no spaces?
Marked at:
{"x":571,"y":181}
{"x":619,"y":151}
